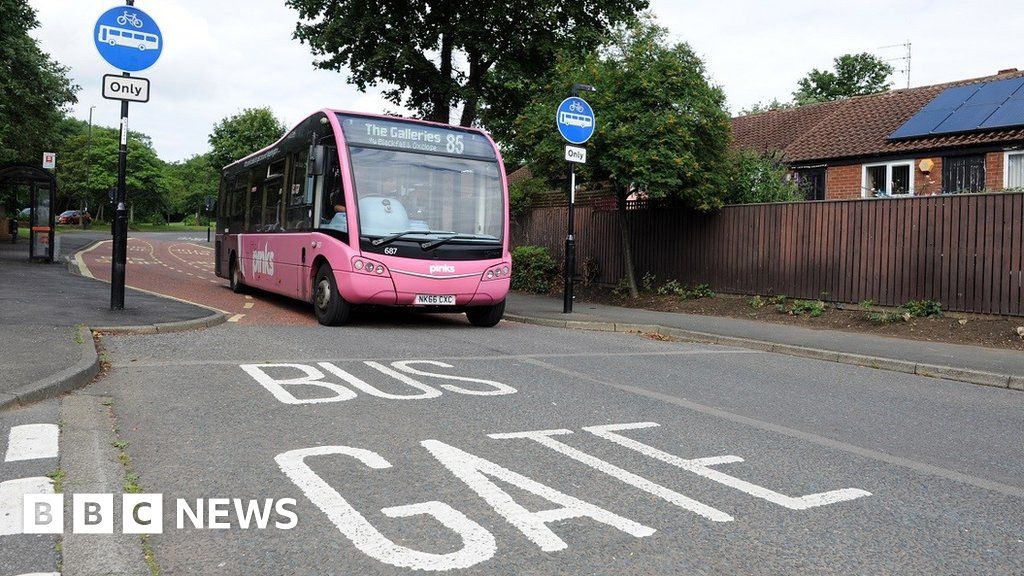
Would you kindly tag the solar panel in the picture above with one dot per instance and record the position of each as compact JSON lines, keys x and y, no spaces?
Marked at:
{"x":1009,"y":114}
{"x":966,"y":108}
{"x":922,"y":123}
{"x":951,"y":98}
{"x":966,"y":118}
{"x":995,"y":92}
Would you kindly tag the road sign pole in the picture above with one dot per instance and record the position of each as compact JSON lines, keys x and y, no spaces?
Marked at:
{"x":120,"y":229}
{"x":570,"y":245}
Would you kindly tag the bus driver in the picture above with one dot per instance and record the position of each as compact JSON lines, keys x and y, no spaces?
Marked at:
{"x":339,"y":218}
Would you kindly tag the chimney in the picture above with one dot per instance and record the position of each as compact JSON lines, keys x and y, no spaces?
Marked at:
{"x":1007,"y":71}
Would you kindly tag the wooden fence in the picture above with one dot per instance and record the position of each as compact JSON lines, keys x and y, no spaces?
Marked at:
{"x":964,"y":251}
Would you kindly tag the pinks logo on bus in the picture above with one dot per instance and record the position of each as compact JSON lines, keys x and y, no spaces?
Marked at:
{"x":263,"y":261}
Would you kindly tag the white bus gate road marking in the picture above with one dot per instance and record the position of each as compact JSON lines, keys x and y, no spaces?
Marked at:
{"x":478,"y":544}
{"x":399,"y":370}
{"x":701,"y":466}
{"x":32,"y":442}
{"x":12,"y":496}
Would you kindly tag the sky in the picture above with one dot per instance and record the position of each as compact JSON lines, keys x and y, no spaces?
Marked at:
{"x":219,"y":59}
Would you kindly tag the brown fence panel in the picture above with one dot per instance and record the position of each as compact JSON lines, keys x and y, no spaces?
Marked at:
{"x":965,"y":251}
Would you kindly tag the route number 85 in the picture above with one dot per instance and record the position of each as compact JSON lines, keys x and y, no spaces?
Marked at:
{"x":455,"y":145}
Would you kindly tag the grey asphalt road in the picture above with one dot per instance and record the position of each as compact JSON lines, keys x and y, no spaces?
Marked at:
{"x":658,"y":457}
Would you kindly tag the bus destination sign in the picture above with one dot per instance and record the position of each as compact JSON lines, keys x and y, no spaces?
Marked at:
{"x":400,"y":135}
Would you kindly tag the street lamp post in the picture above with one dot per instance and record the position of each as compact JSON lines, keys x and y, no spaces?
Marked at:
{"x":88,"y":162}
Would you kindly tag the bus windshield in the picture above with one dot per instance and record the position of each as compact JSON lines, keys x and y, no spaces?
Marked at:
{"x":427,"y":194}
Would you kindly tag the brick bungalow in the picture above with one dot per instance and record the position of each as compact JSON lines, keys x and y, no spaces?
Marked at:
{"x":844,"y":149}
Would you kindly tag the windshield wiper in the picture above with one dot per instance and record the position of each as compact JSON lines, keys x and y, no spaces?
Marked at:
{"x":389,"y":239}
{"x":435,"y":243}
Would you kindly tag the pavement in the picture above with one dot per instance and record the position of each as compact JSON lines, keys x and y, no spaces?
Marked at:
{"x":42,"y":310}
{"x":978,"y":365}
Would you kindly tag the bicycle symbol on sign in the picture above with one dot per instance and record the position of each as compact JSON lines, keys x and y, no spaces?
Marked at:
{"x":131,"y":17}
{"x":575,"y":106}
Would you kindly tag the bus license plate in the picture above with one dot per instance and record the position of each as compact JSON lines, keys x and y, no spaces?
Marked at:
{"x":435,"y":300}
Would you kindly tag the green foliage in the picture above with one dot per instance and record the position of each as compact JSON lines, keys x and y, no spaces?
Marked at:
{"x":432,"y":55}
{"x":86,"y":173}
{"x":757,"y":302}
{"x":759,"y":107}
{"x":866,"y":305}
{"x":854,"y":75}
{"x":34,"y":90}
{"x":923,"y":308}
{"x":648,"y":281}
{"x":661,"y":127}
{"x":523,"y":193}
{"x":886,"y":317}
{"x":776,"y":300}
{"x":242,"y":134}
{"x":699,"y":291}
{"x":532,"y":269}
{"x":672,"y":287}
{"x":188,"y":183}
{"x":756,"y":177}
{"x":621,"y":288}
{"x":812,"y":308}
{"x":191,"y":220}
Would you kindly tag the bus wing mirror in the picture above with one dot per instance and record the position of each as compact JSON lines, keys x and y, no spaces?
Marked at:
{"x":317,"y":159}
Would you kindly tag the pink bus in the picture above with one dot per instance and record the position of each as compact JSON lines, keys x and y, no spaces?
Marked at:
{"x":352,"y":209}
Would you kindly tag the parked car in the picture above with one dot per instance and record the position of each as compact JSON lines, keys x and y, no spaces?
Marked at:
{"x":73,"y":217}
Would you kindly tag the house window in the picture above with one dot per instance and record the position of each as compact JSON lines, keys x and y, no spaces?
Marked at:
{"x":888,"y":179}
{"x":811,"y":182}
{"x":1014,"y":176}
{"x":963,"y":174}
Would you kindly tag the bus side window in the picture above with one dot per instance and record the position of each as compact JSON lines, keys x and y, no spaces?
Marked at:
{"x":333,"y":213}
{"x":299,"y":202}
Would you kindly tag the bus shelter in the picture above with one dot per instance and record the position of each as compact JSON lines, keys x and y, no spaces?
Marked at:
{"x":23,"y":186}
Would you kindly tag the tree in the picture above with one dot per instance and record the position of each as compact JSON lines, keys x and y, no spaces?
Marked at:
{"x":662,"y":129}
{"x":242,"y":134}
{"x":189,"y":183}
{"x":34,"y":90}
{"x":437,"y":54}
{"x":854,"y":75}
{"x":759,"y":107}
{"x":756,"y":177}
{"x":88,"y":176}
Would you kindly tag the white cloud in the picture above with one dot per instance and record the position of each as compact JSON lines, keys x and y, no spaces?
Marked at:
{"x":221,"y":57}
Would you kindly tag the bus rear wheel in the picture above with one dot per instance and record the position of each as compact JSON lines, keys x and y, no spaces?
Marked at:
{"x":328,"y":305}
{"x":486,"y":316}
{"x":235,"y":277}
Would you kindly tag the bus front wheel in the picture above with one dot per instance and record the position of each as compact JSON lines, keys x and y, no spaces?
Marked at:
{"x":330,"y":308}
{"x":486,"y":316}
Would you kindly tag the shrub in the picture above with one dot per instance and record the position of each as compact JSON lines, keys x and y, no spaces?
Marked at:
{"x":532,"y":269}
{"x":777,"y":299}
{"x":191,"y":220}
{"x":757,"y":302}
{"x":158,"y":220}
{"x":886,"y":317}
{"x":812,"y":308}
{"x":866,"y":305}
{"x":923,"y":308}
{"x":622,"y":288}
{"x":699,"y":291}
{"x":647,"y":282}
{"x":672,"y":287}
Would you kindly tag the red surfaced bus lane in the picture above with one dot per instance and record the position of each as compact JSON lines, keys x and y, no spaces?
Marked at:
{"x":184,"y":270}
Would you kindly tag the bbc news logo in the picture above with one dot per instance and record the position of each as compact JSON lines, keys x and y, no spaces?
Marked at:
{"x":144,"y":514}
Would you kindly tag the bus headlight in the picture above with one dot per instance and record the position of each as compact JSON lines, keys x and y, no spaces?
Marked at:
{"x":498,"y":272}
{"x":367,"y":266}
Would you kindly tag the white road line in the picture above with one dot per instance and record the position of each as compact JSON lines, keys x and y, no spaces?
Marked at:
{"x":922,"y":467}
{"x":236,"y":318}
{"x":248,"y":305}
{"x":42,"y":574}
{"x":32,"y":442}
{"x":81,"y":262}
{"x":12,"y":495}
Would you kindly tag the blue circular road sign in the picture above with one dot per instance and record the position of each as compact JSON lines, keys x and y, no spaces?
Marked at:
{"x":575,"y":120}
{"x":128,"y":38}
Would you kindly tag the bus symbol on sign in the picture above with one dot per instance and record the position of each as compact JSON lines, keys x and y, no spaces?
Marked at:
{"x":575,"y":120}
{"x":128,"y":39}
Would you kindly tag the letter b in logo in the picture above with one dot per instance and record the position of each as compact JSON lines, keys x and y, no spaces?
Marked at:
{"x":93,"y":513}
{"x":43,"y":514}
